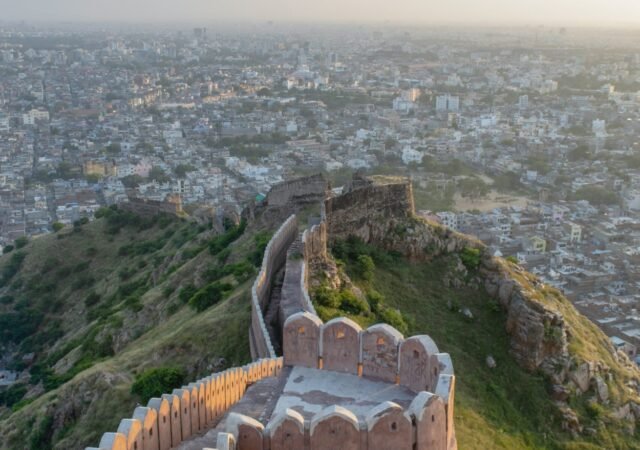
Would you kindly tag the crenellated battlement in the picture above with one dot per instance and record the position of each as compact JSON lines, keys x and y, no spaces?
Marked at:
{"x":175,"y":417}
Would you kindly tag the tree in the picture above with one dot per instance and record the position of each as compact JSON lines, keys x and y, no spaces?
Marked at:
{"x":154,"y":382}
{"x":157,"y":174}
{"x":581,"y":152}
{"x":473,"y":187}
{"x":113,"y":148}
{"x":365,"y":267}
{"x":596,"y":195}
{"x":92,"y":178}
{"x":57,"y":226}
{"x":182,"y":169}
{"x":264,"y":92}
{"x":132,"y":181}
{"x":389,"y":143}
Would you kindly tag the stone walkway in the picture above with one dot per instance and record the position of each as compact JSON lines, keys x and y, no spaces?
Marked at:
{"x":258,"y":402}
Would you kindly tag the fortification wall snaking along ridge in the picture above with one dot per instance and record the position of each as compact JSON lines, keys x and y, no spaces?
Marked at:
{"x":274,"y":257}
{"x":410,"y":381}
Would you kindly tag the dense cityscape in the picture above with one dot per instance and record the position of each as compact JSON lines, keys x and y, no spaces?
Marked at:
{"x":525,"y":138}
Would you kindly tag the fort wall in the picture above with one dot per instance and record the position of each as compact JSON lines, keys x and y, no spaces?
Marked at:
{"x":168,"y":420}
{"x":354,"y":212}
{"x":307,"y":190}
{"x":274,"y":258}
{"x":149,"y":208}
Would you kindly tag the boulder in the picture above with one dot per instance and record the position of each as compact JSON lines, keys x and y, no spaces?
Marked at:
{"x":580,"y":376}
{"x":601,"y":388}
{"x":491,"y":362}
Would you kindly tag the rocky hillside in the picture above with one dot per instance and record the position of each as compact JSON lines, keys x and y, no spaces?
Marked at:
{"x":86,"y":312}
{"x":531,"y":371}
{"x":100,"y":316}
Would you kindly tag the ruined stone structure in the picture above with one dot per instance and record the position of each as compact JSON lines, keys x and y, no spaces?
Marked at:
{"x":337,"y":386}
{"x":369,"y":201}
{"x":301,"y":191}
{"x":149,"y":208}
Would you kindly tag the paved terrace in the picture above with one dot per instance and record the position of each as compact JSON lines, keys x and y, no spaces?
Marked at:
{"x":307,"y":391}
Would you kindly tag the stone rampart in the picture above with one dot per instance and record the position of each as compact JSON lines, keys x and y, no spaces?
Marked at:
{"x":387,"y":426}
{"x":379,"y":352}
{"x":149,"y":208}
{"x":353,"y":212}
{"x":307,"y":190}
{"x":274,"y":258}
{"x":168,"y":420}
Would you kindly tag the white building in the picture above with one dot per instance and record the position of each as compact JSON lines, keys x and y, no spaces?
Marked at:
{"x":447,"y":103}
{"x":523,"y":102}
{"x":410,"y":155}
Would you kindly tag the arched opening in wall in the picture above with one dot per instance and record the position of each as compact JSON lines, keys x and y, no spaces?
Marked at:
{"x":150,"y":432}
{"x":175,"y":414}
{"x":185,"y":411}
{"x":416,"y":354}
{"x":433,"y":418}
{"x":135,"y":446}
{"x":394,"y":426}
{"x":164,"y":419}
{"x":339,"y":334}
{"x":381,"y":341}
{"x":302,"y":331}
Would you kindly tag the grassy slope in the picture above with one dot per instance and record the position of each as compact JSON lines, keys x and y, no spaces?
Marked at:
{"x":500,"y":408}
{"x":156,"y":327}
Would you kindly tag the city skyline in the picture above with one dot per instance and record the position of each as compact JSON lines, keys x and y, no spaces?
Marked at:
{"x":489,"y":12}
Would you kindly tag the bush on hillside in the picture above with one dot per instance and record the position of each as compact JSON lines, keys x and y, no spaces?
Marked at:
{"x":21,"y":241}
{"x":351,"y":303}
{"x":209,"y":295}
{"x":157,"y":381}
{"x":470,"y":257}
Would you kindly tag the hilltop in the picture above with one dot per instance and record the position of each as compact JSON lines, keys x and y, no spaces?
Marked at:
{"x":99,"y":305}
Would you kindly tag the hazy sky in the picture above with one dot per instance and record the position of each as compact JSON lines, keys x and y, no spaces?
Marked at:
{"x":603,"y":12}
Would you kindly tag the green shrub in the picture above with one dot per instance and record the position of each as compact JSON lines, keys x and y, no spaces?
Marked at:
{"x":364,"y":267}
{"x":187,"y":292}
{"x":209,"y":295}
{"x":57,"y":226}
{"x":12,"y":267}
{"x":261,"y":240}
{"x":470,"y":257}
{"x":394,"y":318}
{"x":13,"y":394}
{"x":512,"y":259}
{"x":7,"y":249}
{"x":326,"y":297}
{"x":219,"y":243}
{"x":41,"y":437}
{"x":351,"y":303}
{"x":224,"y":255}
{"x":157,"y":381}
{"x":21,"y":241}
{"x":375,"y":299}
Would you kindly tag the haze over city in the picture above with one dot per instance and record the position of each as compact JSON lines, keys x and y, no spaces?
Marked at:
{"x":488,"y":12}
{"x":338,"y":224}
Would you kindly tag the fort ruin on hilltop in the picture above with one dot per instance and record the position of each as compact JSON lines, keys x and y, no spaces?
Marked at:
{"x":336,"y":385}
